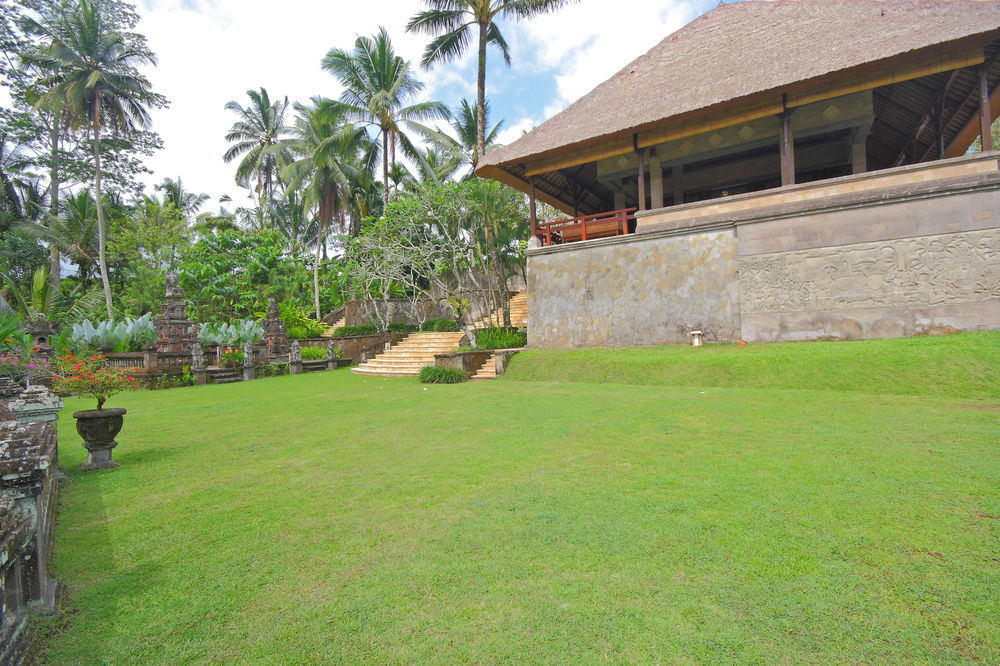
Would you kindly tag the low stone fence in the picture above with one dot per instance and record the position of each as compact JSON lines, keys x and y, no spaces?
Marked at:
{"x":471,"y":361}
{"x":28,"y":493}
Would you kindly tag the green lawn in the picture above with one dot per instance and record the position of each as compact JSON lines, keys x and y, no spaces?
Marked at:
{"x":329,"y":518}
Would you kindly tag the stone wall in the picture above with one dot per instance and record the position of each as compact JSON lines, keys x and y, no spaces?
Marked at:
{"x":395,"y":310}
{"x":634,"y":291}
{"x":359,"y":348}
{"x":893,"y":253}
{"x":28,"y":492}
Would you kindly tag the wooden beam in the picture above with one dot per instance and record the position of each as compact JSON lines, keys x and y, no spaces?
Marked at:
{"x":507,"y":178}
{"x":532,"y":213}
{"x":960,"y":144}
{"x":787,"y":150}
{"x":641,"y":154}
{"x":985,"y":119}
{"x":925,"y":121}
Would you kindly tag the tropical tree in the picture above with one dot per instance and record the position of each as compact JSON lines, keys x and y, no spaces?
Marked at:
{"x":463,"y":150}
{"x":256,"y":136}
{"x":186,"y":203}
{"x":326,"y":146}
{"x":452,"y":21}
{"x":91,"y":76}
{"x":377,"y":84}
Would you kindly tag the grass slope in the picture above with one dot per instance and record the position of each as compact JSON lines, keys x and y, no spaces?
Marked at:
{"x":330,"y":518}
{"x":963,"y":364}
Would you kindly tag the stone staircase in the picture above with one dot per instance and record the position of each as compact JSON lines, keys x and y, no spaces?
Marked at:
{"x":225,"y":375}
{"x":488,"y":370}
{"x":412,"y":353}
{"x":518,"y":313}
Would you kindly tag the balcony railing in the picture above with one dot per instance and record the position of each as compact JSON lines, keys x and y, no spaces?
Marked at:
{"x":587,"y":227}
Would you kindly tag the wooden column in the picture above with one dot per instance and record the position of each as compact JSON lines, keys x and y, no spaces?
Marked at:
{"x":641,"y":155}
{"x":787,"y":150}
{"x":532,"y":215}
{"x":859,"y":156}
{"x":985,"y":118}
{"x":655,"y":183}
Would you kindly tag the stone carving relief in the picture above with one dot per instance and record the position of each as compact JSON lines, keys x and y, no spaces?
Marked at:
{"x":925,"y":271}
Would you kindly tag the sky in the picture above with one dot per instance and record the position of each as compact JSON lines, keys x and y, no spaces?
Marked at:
{"x":213,"y":51}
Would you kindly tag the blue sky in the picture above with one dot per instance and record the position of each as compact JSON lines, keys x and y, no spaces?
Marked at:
{"x":211,"y":51}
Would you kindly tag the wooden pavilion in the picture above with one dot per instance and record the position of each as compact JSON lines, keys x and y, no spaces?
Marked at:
{"x":763,"y":94}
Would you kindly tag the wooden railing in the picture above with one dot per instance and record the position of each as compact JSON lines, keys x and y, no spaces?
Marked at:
{"x":587,"y":227}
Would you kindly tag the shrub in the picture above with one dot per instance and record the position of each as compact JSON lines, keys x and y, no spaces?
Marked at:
{"x":272,"y":369}
{"x":348,"y":331}
{"x":297,"y":332}
{"x":501,"y":338}
{"x":91,"y":377}
{"x":313,"y":353}
{"x":441,"y":325}
{"x":298,"y":324}
{"x":432,"y":374}
{"x":403,"y":327}
{"x":232,"y":358}
{"x":123,"y":336}
{"x":237,"y":333}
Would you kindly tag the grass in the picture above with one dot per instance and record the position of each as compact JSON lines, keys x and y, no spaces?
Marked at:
{"x":330,"y":518}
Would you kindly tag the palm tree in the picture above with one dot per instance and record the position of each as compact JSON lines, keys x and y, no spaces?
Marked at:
{"x":91,"y":76}
{"x":453,"y":20}
{"x":326,"y":146}
{"x":256,"y":136}
{"x":377,"y":84}
{"x":464,"y":150}
{"x":185,"y":203}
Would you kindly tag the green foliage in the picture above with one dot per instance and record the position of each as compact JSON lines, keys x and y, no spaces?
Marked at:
{"x":12,"y":336}
{"x":402,"y":327}
{"x":92,"y":377}
{"x":443,"y":325}
{"x":350,"y":331}
{"x":272,"y":369}
{"x":186,"y":378}
{"x":298,"y":324}
{"x":123,"y":336}
{"x":237,"y":333}
{"x":313,"y":353}
{"x":498,"y":337}
{"x":433,"y":374}
{"x":232,"y":357}
{"x":232,"y":274}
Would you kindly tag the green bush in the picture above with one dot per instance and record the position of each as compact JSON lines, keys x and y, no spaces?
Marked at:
{"x":313,"y":353}
{"x":348,"y":331}
{"x":297,"y":332}
{"x":403,"y":327}
{"x":272,"y":369}
{"x":432,"y":374}
{"x":299,"y":324}
{"x":501,"y":338}
{"x":441,"y":325}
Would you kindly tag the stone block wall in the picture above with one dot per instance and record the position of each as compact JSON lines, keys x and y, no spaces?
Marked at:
{"x":28,"y":493}
{"x":634,"y":291}
{"x":894,"y":253}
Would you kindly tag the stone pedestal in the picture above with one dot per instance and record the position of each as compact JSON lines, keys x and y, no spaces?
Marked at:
{"x":249,"y":370}
{"x":295,"y":358}
{"x":331,"y":355}
{"x":198,"y":365}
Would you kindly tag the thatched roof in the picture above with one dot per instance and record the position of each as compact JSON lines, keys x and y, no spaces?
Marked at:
{"x":740,"y":50}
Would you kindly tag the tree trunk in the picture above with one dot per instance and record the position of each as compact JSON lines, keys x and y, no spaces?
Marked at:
{"x":319,"y":241}
{"x":385,"y":167}
{"x":55,"y":272}
{"x":481,"y":97}
{"x":102,"y":260}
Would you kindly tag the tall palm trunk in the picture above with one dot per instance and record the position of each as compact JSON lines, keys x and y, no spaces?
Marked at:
{"x":385,"y":166}
{"x":319,"y":242}
{"x":55,"y":274}
{"x":481,"y":95}
{"x":101,"y":259}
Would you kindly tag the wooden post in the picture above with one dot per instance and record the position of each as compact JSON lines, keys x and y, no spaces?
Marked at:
{"x":641,"y":154}
{"x":655,"y":182}
{"x":787,"y":150}
{"x":677,"y":180}
{"x":532,"y":214}
{"x":985,"y":118}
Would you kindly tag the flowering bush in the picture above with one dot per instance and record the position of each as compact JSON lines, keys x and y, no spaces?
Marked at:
{"x":92,"y":376}
{"x":20,"y":365}
{"x":232,"y":358}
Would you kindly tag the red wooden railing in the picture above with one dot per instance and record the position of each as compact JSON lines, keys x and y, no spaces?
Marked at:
{"x":599,"y":225}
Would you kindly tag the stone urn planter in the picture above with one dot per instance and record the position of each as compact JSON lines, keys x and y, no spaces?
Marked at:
{"x":99,"y":427}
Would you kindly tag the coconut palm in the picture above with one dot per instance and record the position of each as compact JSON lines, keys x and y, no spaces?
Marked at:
{"x":327,"y":147}
{"x":377,"y":84}
{"x":453,"y":22}
{"x":90,"y":76}
{"x":256,"y":136}
{"x":186,"y":203}
{"x":463,"y":150}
